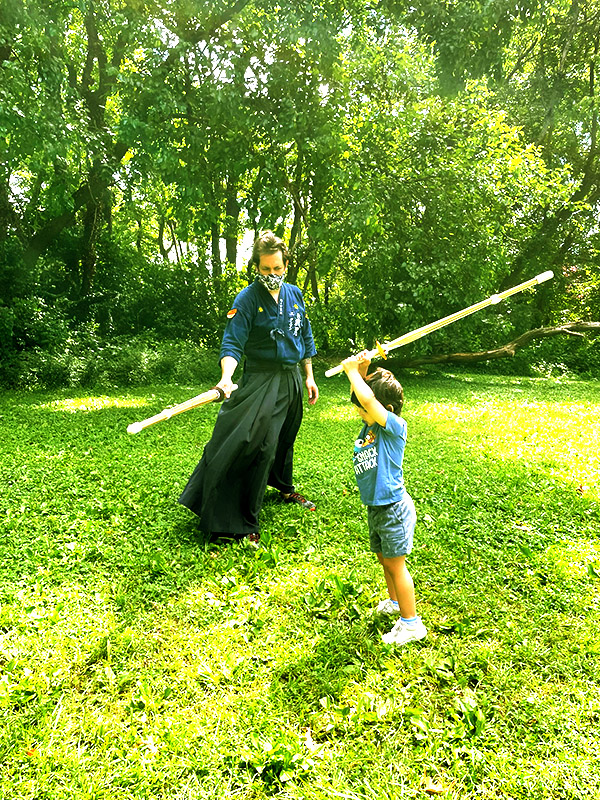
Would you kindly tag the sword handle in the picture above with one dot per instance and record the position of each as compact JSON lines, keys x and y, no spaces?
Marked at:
{"x":200,"y":400}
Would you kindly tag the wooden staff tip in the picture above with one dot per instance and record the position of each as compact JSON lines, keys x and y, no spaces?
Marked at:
{"x":544,"y":276}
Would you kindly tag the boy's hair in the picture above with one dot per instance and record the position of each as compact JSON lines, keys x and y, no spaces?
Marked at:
{"x":386,"y":389}
{"x":267,"y":244}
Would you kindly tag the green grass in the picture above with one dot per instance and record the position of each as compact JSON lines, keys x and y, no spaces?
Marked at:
{"x":137,"y":661}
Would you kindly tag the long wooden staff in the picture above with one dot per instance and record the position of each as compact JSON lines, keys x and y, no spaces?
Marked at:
{"x":200,"y":400}
{"x":383,"y":349}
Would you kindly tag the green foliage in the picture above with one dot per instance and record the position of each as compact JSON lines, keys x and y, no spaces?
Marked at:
{"x":138,"y":660}
{"x":562,"y":358}
{"x":282,"y":762}
{"x":417,"y":156}
{"x":336,"y":597}
{"x":86,"y":359}
{"x":470,"y":38}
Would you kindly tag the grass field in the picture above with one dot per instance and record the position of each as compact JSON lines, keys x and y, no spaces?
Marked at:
{"x":137,"y":661}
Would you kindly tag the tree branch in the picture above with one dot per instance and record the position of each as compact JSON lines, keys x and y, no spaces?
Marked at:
{"x":506,"y":351}
{"x":212,"y":25}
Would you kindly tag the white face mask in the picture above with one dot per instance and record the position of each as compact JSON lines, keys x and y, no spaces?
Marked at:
{"x":271,"y":281}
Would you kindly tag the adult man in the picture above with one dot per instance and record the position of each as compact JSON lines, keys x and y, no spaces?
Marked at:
{"x":253,"y":438}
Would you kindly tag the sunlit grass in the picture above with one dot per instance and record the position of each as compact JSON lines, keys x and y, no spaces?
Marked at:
{"x":138,"y":662}
{"x":575,"y":559}
{"x":78,"y":404}
{"x":563,"y":436}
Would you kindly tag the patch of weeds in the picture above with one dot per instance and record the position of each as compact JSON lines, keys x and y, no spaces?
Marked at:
{"x":226,"y":672}
{"x":282,"y":760}
{"x":365,"y":709}
{"x":24,"y":689}
{"x":266,"y":556}
{"x":468,"y":718}
{"x":335,"y":596}
{"x":146,"y":699}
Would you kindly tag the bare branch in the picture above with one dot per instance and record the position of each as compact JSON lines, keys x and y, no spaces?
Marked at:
{"x":506,"y":351}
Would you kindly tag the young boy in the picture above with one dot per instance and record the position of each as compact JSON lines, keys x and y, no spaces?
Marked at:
{"x":378,"y":454}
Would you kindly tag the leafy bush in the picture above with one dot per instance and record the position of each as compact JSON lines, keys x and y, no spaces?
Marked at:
{"x":91,"y":361}
{"x":564,"y":354}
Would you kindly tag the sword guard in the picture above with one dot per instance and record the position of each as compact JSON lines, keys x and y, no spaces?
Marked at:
{"x":221,"y":393}
{"x":380,"y":350}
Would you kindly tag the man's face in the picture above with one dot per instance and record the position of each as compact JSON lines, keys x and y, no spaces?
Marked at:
{"x":271,"y":264}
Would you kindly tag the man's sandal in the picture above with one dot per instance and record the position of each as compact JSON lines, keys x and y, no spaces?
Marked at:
{"x":299,"y":499}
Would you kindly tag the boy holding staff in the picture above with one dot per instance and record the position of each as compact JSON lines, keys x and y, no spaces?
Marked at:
{"x":378,"y":455}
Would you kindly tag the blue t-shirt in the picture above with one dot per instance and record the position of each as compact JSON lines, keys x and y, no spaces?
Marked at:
{"x":268,"y":330}
{"x":377,"y":459}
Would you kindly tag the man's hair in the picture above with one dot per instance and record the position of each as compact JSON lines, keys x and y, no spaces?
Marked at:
{"x":265,"y":245}
{"x":386,"y":389}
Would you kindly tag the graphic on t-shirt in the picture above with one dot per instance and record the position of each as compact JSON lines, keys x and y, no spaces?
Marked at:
{"x":369,"y":439}
{"x":365,"y":453}
{"x":377,"y":460}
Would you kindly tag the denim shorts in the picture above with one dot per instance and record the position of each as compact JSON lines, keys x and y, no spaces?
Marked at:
{"x":392,"y":528}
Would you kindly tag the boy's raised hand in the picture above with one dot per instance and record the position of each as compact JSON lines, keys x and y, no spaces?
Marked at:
{"x":359,"y":362}
{"x":363,"y":362}
{"x":350,"y":364}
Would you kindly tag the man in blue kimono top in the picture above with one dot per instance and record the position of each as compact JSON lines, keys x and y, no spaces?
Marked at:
{"x":252,"y":443}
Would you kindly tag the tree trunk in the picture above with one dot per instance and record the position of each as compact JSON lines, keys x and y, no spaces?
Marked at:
{"x":232,"y":213}
{"x":161,"y":238}
{"x":91,"y":221}
{"x":5,"y":208}
{"x":215,"y":240}
{"x":89,"y":192}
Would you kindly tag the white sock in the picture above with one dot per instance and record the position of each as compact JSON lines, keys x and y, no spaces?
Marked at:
{"x":412,"y":622}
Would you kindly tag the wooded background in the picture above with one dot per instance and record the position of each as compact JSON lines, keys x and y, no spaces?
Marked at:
{"x":417,"y":156}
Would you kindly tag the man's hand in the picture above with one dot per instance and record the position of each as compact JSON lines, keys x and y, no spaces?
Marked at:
{"x":313,"y":391}
{"x":226,"y":384}
{"x":311,"y":386}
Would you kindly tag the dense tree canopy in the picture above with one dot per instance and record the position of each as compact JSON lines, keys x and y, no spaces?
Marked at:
{"x":418,"y":156}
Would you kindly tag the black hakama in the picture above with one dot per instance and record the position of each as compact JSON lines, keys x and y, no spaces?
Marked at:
{"x":251,"y":447}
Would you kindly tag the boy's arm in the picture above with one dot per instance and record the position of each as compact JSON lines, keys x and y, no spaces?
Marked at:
{"x":355,"y":368}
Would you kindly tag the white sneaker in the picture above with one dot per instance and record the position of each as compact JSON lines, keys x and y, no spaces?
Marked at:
{"x":401,"y":633}
{"x":387,"y":606}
